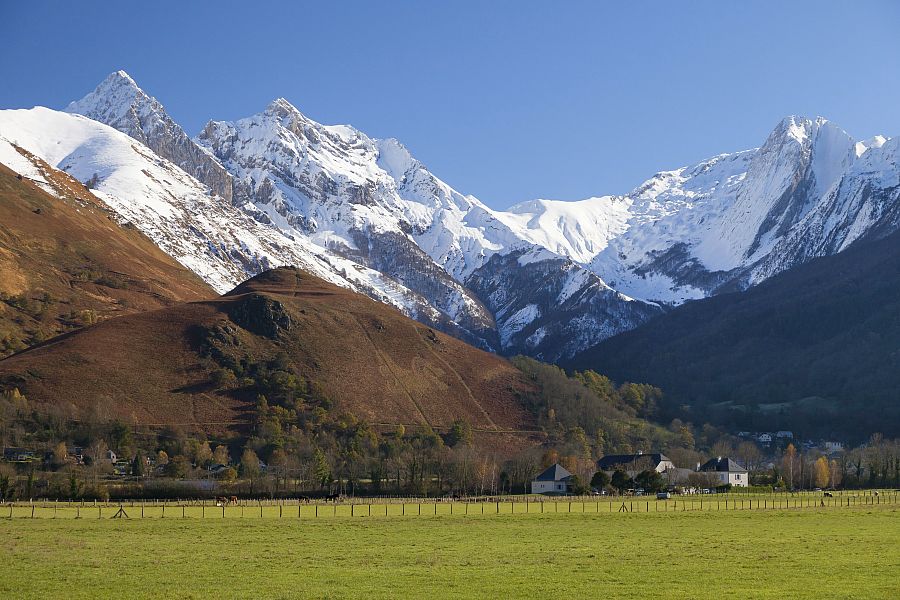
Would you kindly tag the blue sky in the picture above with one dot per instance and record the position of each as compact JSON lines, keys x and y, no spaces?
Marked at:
{"x":504,"y":100}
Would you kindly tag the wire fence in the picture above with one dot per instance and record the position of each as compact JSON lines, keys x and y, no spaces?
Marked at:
{"x":298,"y":508}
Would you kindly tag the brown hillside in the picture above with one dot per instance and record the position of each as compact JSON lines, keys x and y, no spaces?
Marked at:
{"x":65,"y":263}
{"x":161,"y":367}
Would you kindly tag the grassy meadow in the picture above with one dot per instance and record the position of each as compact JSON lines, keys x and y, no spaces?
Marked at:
{"x":811,"y":553}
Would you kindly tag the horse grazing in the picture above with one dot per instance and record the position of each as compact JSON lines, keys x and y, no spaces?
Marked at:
{"x":332,"y":497}
{"x":305,"y":499}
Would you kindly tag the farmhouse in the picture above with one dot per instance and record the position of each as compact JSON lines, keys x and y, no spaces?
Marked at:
{"x":635,"y":462}
{"x":726,"y":471}
{"x":554,"y":480}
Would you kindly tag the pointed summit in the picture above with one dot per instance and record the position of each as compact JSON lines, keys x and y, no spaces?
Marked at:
{"x":802,"y":130}
{"x":281,"y":108}
{"x":120,"y":103}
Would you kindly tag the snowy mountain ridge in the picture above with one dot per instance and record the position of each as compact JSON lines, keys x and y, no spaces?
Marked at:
{"x":219,"y":242}
{"x":545,"y":277}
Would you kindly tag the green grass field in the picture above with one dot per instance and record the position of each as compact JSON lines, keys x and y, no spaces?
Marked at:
{"x":810,"y":553}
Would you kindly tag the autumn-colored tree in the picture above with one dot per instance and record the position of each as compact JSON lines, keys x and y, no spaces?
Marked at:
{"x":202,"y":453}
{"x":249,"y":463}
{"x":162,"y":458}
{"x":789,"y":462}
{"x":569,"y":463}
{"x":60,"y":454}
{"x":220,"y":456}
{"x":836,"y":474}
{"x":685,"y":437}
{"x":749,"y":455}
{"x":250,"y":466}
{"x":550,"y":457}
{"x":822,"y":472}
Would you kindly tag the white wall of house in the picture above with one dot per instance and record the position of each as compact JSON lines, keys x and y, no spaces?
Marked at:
{"x":740,"y":479}
{"x":548,"y":487}
{"x":664,"y":465}
{"x":735,"y":479}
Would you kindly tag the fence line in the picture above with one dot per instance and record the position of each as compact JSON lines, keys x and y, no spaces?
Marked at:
{"x":197,"y":509}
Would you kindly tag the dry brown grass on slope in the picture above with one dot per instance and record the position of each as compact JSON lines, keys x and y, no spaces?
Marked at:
{"x":368,"y":358}
{"x":65,"y":263}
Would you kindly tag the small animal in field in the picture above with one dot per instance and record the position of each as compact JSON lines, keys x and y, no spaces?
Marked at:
{"x":305,"y":499}
{"x":829,"y":495}
{"x":332,"y":497}
{"x":233,"y":500}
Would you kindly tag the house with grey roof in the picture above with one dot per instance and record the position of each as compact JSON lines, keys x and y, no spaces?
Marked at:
{"x":553,"y":480}
{"x":726,"y":471}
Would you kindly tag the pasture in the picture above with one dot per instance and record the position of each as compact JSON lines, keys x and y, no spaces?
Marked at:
{"x":816,"y":552}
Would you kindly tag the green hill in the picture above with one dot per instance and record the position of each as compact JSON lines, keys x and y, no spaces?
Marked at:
{"x":815,"y":350}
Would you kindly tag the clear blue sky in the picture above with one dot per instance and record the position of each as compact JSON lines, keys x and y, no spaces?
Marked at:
{"x":504,"y":100}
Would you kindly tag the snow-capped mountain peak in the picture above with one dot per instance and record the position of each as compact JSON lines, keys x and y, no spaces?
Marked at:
{"x":604,"y":264}
{"x":119,"y":102}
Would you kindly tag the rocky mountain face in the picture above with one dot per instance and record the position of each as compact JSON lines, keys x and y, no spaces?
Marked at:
{"x":550,"y":307}
{"x":545,"y":278}
{"x":737,"y":219}
{"x":121,"y":104}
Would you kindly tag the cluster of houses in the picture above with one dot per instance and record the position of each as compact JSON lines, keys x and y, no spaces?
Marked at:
{"x":766,"y":439}
{"x":717,"y":471}
{"x":74,"y":455}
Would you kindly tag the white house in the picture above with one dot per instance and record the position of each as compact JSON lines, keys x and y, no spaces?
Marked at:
{"x":832,"y":447}
{"x":726,"y":471}
{"x":764,"y":438}
{"x":554,"y":480}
